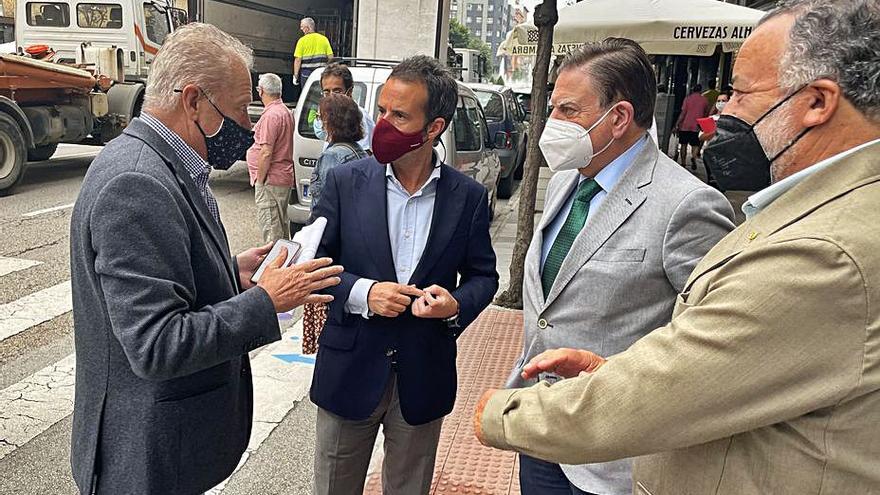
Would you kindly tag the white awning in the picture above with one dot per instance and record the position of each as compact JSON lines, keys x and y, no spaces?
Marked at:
{"x":662,"y":27}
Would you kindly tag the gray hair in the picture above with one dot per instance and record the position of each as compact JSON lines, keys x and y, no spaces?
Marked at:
{"x":834,"y":40}
{"x":308,"y":21}
{"x":197,"y":54}
{"x":270,"y":83}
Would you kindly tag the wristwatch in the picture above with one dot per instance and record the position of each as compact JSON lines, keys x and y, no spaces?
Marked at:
{"x":452,"y":322}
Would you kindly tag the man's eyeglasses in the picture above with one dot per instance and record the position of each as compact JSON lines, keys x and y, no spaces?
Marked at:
{"x":334,"y":91}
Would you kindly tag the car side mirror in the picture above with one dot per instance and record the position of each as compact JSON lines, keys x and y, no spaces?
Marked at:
{"x":501,"y":140}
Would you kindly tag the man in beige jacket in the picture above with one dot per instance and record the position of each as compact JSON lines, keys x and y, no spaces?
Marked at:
{"x":767,"y":380}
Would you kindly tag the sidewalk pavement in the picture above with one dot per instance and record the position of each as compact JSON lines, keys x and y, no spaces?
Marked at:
{"x":486,"y":353}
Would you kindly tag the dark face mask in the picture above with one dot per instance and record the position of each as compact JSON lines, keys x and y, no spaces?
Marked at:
{"x":228,"y":144}
{"x":735,"y":156}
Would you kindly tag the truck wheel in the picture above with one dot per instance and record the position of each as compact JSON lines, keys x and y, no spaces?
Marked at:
{"x":12,"y":154}
{"x":41,"y":153}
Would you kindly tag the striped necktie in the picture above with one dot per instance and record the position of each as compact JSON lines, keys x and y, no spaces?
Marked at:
{"x":575,"y":221}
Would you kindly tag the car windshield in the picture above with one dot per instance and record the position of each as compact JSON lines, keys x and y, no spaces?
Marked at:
{"x":493,"y":105}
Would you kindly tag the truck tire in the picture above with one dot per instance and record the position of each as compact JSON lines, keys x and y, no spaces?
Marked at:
{"x":12,"y":154}
{"x":41,"y":153}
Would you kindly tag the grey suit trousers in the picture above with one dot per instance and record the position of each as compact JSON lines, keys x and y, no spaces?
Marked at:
{"x":344,"y":447}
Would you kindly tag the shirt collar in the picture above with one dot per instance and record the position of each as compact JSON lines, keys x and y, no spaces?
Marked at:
{"x":609,"y":176}
{"x":432,"y":179}
{"x":198,"y":168}
{"x":763,"y":198}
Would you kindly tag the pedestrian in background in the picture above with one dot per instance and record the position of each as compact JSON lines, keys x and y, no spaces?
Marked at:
{"x":312,"y":51}
{"x":413,"y":234}
{"x":622,"y":230}
{"x":767,"y":379}
{"x":342,"y":123}
{"x":337,"y":80}
{"x":270,"y":161}
{"x":164,"y":316}
{"x":694,"y":107}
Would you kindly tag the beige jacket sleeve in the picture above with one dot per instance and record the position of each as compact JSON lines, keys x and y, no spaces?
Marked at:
{"x":779,"y":331}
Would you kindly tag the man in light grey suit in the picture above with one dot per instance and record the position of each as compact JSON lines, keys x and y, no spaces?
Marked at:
{"x":164,"y":316}
{"x":623,"y":227}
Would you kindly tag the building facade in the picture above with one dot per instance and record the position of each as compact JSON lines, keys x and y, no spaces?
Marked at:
{"x":488,"y":20}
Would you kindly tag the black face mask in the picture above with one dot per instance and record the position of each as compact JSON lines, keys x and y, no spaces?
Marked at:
{"x":228,"y":144}
{"x":735,"y":156}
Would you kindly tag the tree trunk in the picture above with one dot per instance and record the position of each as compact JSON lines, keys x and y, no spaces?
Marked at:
{"x":546,"y":17}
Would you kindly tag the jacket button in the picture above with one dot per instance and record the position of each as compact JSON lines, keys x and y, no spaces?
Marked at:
{"x":542,"y":323}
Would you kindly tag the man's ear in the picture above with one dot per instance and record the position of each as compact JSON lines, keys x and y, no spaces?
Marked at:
{"x":435,"y":129}
{"x":824,"y":97}
{"x":190,"y":96}
{"x":621,"y":117}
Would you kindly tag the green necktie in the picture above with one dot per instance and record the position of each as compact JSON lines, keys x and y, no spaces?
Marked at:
{"x":575,"y":221}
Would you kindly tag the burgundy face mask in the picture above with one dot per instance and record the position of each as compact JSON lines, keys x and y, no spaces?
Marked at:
{"x":389,"y":144}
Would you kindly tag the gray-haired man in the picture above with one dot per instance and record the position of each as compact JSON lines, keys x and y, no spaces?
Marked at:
{"x":163,"y":315}
{"x":270,"y":161}
{"x":622,"y":230}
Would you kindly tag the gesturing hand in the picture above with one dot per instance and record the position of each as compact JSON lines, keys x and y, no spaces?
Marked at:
{"x":436,"y":302}
{"x":389,"y":299}
{"x":293,"y":286}
{"x":566,"y":363}
{"x":248,"y":262}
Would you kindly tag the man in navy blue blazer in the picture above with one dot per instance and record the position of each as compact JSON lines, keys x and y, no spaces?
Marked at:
{"x":413,"y":236}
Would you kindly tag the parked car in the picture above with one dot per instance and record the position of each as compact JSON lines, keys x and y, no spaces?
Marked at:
{"x":465,"y":145}
{"x":507,"y":127}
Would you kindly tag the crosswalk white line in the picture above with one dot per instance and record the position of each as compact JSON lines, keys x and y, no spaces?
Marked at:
{"x":31,"y":406}
{"x":48,"y":210}
{"x":41,"y":306}
{"x":12,"y":265}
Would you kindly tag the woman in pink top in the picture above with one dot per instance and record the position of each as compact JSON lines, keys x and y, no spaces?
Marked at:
{"x":694,"y":107}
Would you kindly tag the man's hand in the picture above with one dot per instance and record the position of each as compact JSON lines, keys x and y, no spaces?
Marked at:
{"x":436,"y":302}
{"x":390,"y":299}
{"x":566,"y":363}
{"x":478,"y":415}
{"x":293,"y":286}
{"x":296,"y":80}
{"x":248,"y":262}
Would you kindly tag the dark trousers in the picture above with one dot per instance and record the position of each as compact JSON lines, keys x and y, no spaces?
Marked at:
{"x":537,"y":477}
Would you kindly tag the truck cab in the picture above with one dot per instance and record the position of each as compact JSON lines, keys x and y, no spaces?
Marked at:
{"x":70,"y":27}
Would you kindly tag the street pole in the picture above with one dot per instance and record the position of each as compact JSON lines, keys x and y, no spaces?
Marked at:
{"x":546,"y":18}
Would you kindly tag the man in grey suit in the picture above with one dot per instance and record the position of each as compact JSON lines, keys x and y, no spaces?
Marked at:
{"x":623,"y":227}
{"x":164,"y":316}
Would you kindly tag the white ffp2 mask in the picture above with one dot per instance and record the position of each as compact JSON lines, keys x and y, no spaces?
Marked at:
{"x":567,"y":146}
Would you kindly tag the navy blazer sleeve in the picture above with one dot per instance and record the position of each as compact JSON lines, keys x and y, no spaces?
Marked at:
{"x":142,"y":258}
{"x":479,"y":279}
{"x":328,"y":207}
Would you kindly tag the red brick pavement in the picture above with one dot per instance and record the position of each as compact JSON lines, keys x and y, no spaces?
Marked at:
{"x":486,"y":351}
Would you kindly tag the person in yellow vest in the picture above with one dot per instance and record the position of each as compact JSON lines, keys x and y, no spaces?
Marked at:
{"x":312,"y":51}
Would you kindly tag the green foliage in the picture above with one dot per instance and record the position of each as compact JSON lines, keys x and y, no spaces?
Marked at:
{"x":461,"y":37}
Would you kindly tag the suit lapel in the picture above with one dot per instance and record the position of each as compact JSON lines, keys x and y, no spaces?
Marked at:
{"x":371,"y":199}
{"x":448,"y":206}
{"x":619,"y":204}
{"x":551,"y":208}
{"x":141,"y":131}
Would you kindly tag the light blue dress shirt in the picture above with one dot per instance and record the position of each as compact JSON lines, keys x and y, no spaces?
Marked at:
{"x":606,"y":178}
{"x":768,"y":195}
{"x":409,"y":223}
